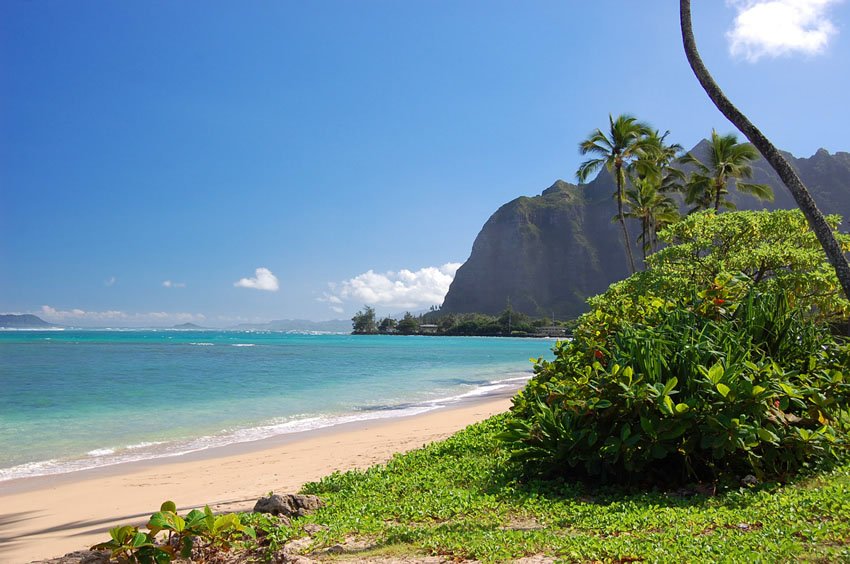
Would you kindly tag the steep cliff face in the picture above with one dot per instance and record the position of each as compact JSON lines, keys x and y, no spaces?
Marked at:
{"x":543,"y":255}
{"x":547,"y":254}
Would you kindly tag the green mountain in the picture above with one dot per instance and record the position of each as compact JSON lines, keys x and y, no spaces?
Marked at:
{"x":547,"y":254}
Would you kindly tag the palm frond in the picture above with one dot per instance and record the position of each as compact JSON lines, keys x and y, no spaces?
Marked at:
{"x":760,"y":191}
{"x":587,"y":168}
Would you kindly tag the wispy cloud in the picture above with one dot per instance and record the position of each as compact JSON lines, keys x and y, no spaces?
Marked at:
{"x":170,"y":284}
{"x":263,"y":280}
{"x":773,"y":28}
{"x":116,"y":316}
{"x":404,"y":289}
{"x":110,"y":281}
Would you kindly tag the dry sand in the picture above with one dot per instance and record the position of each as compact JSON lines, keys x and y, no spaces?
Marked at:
{"x":49,"y":516}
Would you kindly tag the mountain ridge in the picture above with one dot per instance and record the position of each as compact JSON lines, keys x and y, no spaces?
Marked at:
{"x":545,"y":255}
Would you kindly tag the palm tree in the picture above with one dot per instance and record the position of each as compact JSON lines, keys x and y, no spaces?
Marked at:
{"x":728,"y":163}
{"x":654,"y":209}
{"x":789,"y":177}
{"x":615,"y":151}
{"x":658,"y":159}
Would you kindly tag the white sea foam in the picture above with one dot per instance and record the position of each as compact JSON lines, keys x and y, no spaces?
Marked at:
{"x":101,"y":451}
{"x":244,"y":345}
{"x":144,"y":444}
{"x":202,"y":344}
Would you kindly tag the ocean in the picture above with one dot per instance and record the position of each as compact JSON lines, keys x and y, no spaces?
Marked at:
{"x":78,"y":399}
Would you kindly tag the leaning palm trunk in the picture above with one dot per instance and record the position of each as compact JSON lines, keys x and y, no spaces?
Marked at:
{"x":769,"y":152}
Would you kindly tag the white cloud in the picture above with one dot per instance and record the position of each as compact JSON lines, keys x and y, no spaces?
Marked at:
{"x":774,"y":28}
{"x":170,"y":284}
{"x":72,"y":316}
{"x":263,"y":280}
{"x":110,"y":281}
{"x":404,"y":289}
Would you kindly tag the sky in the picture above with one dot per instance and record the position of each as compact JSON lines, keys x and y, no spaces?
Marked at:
{"x":225,"y":162}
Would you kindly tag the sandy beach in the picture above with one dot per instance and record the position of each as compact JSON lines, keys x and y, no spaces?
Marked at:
{"x":49,"y":516}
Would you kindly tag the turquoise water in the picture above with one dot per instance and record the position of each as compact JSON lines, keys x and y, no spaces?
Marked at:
{"x":71,"y":400}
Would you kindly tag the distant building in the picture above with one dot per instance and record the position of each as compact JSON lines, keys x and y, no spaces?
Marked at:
{"x":550,"y":332}
{"x":428,"y":328}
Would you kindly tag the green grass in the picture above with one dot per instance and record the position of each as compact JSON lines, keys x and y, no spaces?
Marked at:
{"x":460,"y":498}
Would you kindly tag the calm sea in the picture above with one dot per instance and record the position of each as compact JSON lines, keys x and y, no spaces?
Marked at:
{"x":72,"y":400}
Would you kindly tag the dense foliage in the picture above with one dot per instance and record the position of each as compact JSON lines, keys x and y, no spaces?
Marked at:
{"x":509,"y":323}
{"x":363,"y":322}
{"x":773,"y":252}
{"x":763,"y":390}
{"x":686,"y":370}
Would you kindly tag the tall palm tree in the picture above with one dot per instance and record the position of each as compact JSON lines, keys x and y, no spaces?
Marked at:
{"x":658,"y":159}
{"x":789,"y":177}
{"x":615,"y":151}
{"x":728,"y":163}
{"x":653,"y":208}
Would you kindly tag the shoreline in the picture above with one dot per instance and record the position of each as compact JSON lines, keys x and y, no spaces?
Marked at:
{"x":49,"y":516}
{"x":186,"y":449}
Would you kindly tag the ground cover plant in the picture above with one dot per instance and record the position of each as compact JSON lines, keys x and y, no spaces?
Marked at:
{"x":462,"y":498}
{"x":199,"y":535}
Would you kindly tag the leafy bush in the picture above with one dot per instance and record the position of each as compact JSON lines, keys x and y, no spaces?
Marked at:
{"x":716,"y":358}
{"x":747,"y":387}
{"x":773,"y":252}
{"x":199,"y":531}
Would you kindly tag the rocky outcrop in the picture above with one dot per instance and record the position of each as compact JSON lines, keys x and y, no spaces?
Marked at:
{"x":288,"y":505}
{"x":547,"y":254}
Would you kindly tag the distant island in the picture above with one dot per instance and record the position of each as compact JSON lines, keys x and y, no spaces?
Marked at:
{"x":23,"y":321}
{"x":188,"y":326}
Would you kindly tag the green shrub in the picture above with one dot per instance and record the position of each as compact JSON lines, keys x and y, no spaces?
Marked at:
{"x":199,"y":533}
{"x":748,"y":387}
{"x":771,"y":252}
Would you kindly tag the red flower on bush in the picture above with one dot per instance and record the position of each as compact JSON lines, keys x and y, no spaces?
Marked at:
{"x":718,"y":301}
{"x":598,"y":355}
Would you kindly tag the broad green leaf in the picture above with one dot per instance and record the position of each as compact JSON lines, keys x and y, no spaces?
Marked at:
{"x":139,"y":539}
{"x":668,"y":405}
{"x":168,"y":506}
{"x":715,"y":373}
{"x":789,"y":390}
{"x":766,"y":435}
{"x":723,"y":389}
{"x":682,"y":407}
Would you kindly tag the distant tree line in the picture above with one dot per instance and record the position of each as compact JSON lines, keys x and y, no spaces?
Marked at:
{"x":509,"y":323}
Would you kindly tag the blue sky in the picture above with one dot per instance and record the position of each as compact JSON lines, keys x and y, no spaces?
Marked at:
{"x":221,"y":162}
